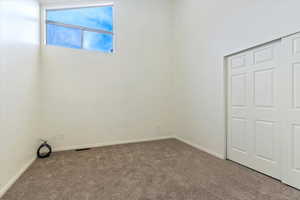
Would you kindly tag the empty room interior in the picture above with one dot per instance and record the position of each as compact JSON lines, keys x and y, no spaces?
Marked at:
{"x":149,"y":100}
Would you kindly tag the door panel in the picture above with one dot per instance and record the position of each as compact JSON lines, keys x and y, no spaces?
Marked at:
{"x":296,"y":85}
{"x":239,"y":61}
{"x":296,"y":147}
{"x":238,"y":123}
{"x":263,"y":54}
{"x":239,"y":90}
{"x":264,"y":87}
{"x":264,"y":148}
{"x":296,"y":44}
{"x":253,"y":117}
{"x":290,"y":90}
{"x":239,"y":137}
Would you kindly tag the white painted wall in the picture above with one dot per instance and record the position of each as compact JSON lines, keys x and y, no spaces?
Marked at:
{"x":206,"y":31}
{"x":165,"y":78}
{"x":92,"y":98}
{"x":19,"y":62}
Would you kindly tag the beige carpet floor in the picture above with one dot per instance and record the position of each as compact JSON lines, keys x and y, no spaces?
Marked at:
{"x":159,"y":170}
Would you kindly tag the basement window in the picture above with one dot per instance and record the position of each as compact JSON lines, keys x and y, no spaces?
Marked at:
{"x":89,"y":28}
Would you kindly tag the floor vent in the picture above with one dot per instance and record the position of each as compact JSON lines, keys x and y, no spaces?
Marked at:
{"x":84,"y":149}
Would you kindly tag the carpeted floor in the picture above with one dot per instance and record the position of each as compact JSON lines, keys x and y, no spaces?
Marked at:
{"x":159,"y":170}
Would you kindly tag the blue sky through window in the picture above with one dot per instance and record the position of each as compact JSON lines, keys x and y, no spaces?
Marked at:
{"x":100,"y":18}
{"x":98,"y":41}
{"x":93,"y":17}
{"x":62,"y":36}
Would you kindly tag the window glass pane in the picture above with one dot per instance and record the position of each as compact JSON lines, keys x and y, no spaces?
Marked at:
{"x":98,"y":41}
{"x":92,"y":17}
{"x":62,"y":36}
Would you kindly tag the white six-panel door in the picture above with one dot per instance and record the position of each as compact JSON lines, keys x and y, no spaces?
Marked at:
{"x":290,"y":96}
{"x":264,"y":109}
{"x":254,"y":120}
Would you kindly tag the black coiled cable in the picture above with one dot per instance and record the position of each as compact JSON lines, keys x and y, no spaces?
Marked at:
{"x":46,"y":154}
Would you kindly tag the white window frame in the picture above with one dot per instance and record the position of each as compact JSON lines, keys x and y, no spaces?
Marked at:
{"x":65,"y":6}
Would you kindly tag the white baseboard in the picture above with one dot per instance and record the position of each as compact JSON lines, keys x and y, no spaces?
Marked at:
{"x":6,"y":187}
{"x":218,"y":155}
{"x":73,"y":147}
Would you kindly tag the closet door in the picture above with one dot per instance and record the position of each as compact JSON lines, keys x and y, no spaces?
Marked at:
{"x":290,"y":96}
{"x":253,"y":111}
